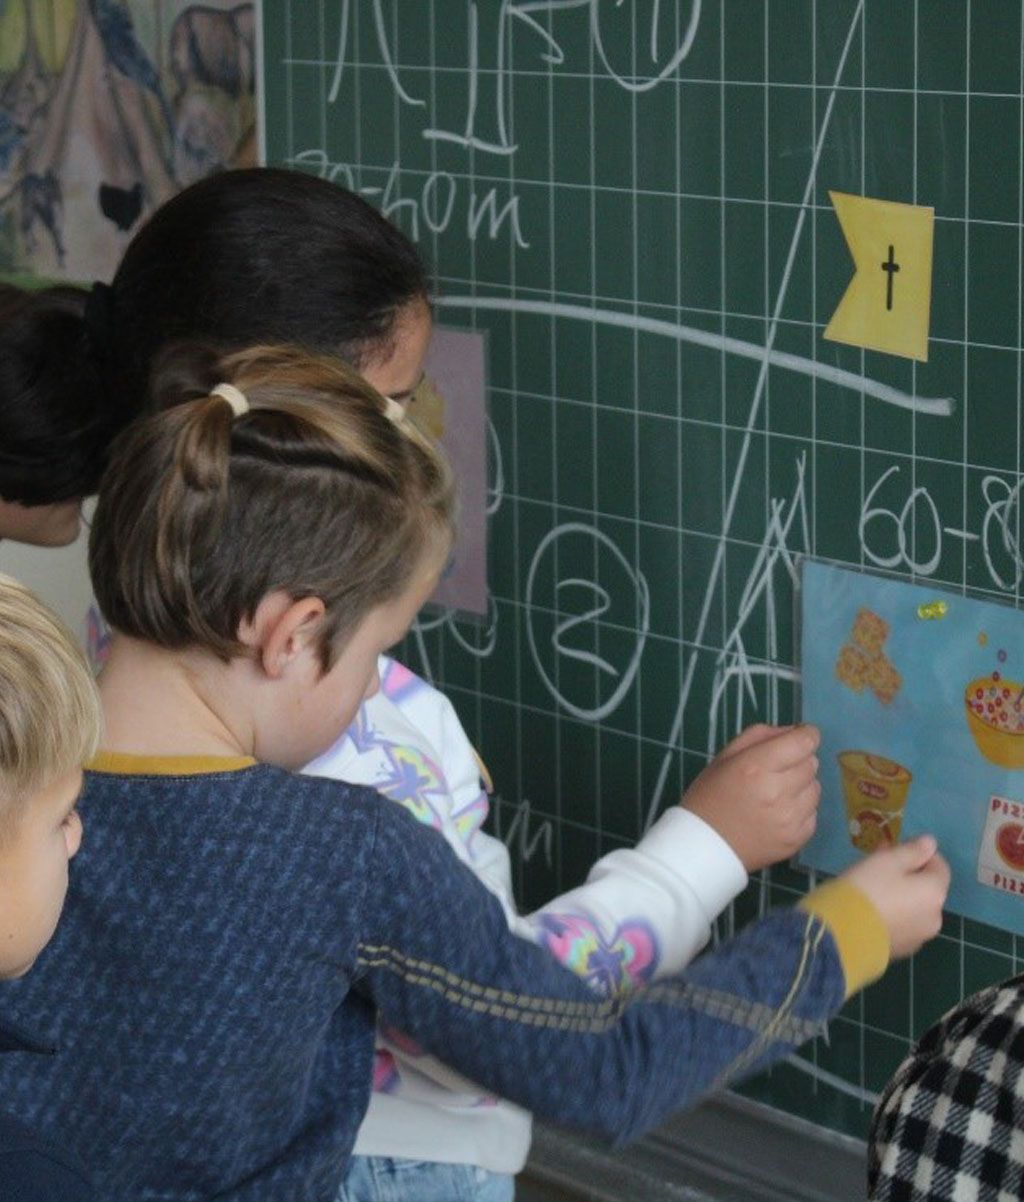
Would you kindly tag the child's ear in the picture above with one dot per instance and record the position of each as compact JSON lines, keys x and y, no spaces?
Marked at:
{"x":281,"y":630}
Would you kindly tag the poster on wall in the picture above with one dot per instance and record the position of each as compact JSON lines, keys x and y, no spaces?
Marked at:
{"x":919,"y":695}
{"x":108,"y":107}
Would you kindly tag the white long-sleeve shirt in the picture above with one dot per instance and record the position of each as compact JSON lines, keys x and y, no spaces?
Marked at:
{"x":643,"y":912}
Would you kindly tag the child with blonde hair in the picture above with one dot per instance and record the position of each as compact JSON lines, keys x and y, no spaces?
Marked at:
{"x":233,"y":929}
{"x":49,"y":725}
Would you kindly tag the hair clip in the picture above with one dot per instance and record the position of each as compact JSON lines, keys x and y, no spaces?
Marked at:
{"x":394,"y":410}
{"x":235,"y":397}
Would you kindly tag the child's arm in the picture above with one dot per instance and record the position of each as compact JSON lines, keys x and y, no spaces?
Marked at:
{"x":502,"y":1012}
{"x":643,"y":911}
{"x":761,"y":792}
{"x":646,"y":911}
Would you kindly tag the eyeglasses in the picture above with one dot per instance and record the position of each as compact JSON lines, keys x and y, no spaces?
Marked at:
{"x":406,"y":398}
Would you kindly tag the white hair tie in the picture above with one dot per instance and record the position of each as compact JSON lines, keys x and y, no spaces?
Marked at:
{"x":394,"y":410}
{"x":235,"y":397}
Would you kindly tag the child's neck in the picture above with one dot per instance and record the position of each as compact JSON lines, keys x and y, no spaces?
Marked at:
{"x":165,"y":703}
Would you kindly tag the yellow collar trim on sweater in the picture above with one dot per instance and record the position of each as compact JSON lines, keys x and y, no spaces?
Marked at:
{"x":166,"y":765}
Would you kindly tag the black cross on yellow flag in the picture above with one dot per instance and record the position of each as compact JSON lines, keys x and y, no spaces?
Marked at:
{"x":886,"y":306}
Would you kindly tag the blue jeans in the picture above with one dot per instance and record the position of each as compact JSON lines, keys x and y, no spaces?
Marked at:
{"x":382,"y":1179}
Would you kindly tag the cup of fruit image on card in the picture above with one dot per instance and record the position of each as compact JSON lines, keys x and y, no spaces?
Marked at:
{"x":875,"y":794}
{"x":1001,"y":855}
{"x":995,"y":718}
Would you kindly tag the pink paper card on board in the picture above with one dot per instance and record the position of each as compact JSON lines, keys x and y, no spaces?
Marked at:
{"x":451,"y":404}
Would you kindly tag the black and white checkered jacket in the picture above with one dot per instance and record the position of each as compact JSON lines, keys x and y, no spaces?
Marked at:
{"x":949,"y":1127}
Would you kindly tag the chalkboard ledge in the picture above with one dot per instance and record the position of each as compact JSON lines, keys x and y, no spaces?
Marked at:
{"x":729,"y":1149}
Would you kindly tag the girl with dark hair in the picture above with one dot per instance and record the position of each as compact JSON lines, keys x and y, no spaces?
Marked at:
{"x":53,"y":428}
{"x":267,"y":255}
{"x":238,"y":258}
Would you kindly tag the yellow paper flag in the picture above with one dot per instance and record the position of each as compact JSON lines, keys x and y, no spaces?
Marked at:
{"x":886,"y":306}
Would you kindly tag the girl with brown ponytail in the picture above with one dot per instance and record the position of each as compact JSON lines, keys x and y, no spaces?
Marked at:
{"x":232,"y":928}
{"x":272,"y":474}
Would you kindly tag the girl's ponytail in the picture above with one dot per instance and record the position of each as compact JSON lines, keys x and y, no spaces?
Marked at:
{"x":56,"y":418}
{"x":191,"y":505}
{"x":276,"y":470}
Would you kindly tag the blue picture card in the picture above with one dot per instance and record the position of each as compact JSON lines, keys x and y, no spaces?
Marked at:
{"x":919,"y":695}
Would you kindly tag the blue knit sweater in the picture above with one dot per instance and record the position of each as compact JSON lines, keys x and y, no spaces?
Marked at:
{"x":34,"y":1169}
{"x":229,"y":936}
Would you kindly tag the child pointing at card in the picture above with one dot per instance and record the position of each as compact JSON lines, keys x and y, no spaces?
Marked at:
{"x":233,"y":929}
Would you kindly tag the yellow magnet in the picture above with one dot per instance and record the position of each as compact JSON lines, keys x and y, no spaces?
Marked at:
{"x":931,"y":609}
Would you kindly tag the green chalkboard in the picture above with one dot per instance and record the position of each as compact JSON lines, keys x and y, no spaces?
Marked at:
{"x":632,"y":200}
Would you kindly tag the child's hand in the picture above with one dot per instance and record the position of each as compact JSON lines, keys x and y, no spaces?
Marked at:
{"x":761,"y":793}
{"x":907,"y":885}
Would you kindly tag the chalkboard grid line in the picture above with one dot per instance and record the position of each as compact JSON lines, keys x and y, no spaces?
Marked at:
{"x":683,"y":84}
{"x":303,"y":160}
